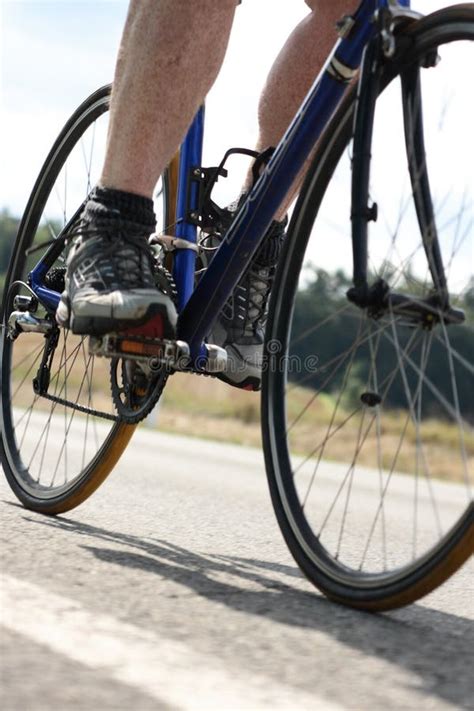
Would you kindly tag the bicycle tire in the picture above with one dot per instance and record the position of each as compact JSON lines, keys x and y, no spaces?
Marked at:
{"x":335,"y":579}
{"x":110,"y":445}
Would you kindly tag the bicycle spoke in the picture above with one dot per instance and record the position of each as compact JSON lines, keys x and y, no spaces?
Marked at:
{"x":27,"y":357}
{"x":459,"y":420}
{"x":66,"y":426}
{"x":322,"y":444}
{"x":66,"y":433}
{"x":360,"y":442}
{"x":46,"y":426}
{"x":89,"y":399}
{"x":312,"y":330}
{"x":88,"y":159}
{"x":350,"y":478}
{"x":413,"y":419}
{"x":338,"y":361}
{"x":64,"y":360}
{"x":432,"y":387}
{"x":349,"y":353}
{"x":65,"y":416}
{"x":335,"y":410}
{"x":457,"y":356}
{"x":373,"y":361}
{"x":389,"y":378}
{"x":26,"y":376}
{"x":418,"y":400}
{"x":389,"y":477}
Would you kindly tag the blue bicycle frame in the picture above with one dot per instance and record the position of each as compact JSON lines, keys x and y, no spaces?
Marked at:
{"x":200,"y":305}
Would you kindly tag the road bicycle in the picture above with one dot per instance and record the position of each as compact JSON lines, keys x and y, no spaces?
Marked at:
{"x":374,"y":287}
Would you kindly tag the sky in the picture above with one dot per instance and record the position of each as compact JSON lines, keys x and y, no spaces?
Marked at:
{"x":54,"y":53}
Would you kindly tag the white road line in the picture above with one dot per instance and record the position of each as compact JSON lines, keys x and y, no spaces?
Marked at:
{"x":166,"y":670}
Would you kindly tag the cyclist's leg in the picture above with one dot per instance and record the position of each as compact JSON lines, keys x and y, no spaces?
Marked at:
{"x":294,"y":70}
{"x":170,"y":54}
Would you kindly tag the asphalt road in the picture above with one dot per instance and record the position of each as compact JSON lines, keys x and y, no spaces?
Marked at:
{"x":172,"y":588}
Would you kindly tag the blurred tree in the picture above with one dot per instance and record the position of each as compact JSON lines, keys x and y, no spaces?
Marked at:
{"x":8,"y":230}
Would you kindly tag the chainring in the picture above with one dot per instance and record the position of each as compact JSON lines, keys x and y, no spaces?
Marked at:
{"x":135,"y":392}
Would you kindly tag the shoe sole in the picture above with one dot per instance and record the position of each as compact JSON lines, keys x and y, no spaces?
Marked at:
{"x":250,"y":384}
{"x":99,"y":325}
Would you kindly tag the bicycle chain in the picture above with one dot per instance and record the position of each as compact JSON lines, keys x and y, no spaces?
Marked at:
{"x":41,"y":383}
{"x":126,"y":414}
{"x":81,"y":408}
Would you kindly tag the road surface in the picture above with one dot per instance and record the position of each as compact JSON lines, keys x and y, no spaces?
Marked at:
{"x":171,"y":588}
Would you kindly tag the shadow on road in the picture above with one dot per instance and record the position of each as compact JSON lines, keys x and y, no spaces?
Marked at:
{"x":416,"y":638}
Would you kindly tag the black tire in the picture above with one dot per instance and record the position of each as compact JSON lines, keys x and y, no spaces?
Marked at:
{"x":43,"y":473}
{"x":324,"y":566}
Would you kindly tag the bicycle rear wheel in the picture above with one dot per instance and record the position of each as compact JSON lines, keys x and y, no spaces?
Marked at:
{"x":368,"y":417}
{"x":57,"y":448}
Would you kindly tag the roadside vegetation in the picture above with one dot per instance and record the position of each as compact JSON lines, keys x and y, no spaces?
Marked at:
{"x":215,"y":411}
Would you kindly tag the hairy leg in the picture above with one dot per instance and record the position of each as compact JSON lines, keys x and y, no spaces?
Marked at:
{"x":170,"y":55}
{"x":294,"y":71}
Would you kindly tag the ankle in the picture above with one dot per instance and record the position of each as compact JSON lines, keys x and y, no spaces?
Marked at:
{"x":108,"y":203}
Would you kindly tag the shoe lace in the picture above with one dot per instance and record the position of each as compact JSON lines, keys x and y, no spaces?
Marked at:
{"x":249,"y":301}
{"x":247,"y":307}
{"x":260,"y":280}
{"x":125,"y":257}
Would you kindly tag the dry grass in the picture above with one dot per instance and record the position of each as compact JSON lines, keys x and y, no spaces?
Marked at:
{"x":205,"y":407}
{"x":208,"y":408}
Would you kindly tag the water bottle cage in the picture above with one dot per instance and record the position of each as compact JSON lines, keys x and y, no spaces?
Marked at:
{"x":206,"y":213}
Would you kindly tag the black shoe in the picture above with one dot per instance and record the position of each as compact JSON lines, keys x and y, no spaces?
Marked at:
{"x":240,"y":328}
{"x":110,"y":283}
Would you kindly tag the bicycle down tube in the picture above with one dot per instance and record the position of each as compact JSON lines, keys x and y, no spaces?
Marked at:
{"x":255,"y":216}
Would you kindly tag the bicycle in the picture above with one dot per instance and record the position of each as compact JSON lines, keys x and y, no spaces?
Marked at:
{"x":344,"y":440}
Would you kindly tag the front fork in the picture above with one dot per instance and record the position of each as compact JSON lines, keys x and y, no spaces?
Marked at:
{"x":362,"y":213}
{"x":417,"y":165}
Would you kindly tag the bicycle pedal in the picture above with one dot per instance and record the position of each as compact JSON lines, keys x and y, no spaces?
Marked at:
{"x":215,"y":359}
{"x":124,"y":345}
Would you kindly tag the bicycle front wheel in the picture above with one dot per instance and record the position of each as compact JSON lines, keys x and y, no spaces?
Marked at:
{"x":368,"y":416}
{"x":58,"y":446}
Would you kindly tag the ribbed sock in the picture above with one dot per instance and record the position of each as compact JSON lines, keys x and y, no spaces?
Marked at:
{"x":107,"y":203}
